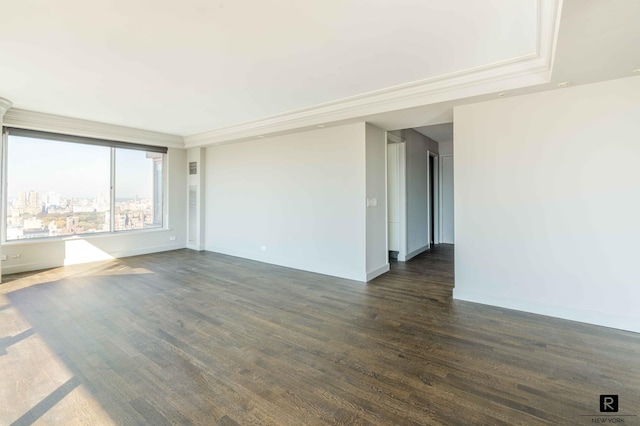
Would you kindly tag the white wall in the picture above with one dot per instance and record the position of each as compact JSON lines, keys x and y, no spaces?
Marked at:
{"x":447,"y":198}
{"x":446,"y":147}
{"x":195,"y":199}
{"x":547,"y":203}
{"x":417,"y":160}
{"x":417,"y":195}
{"x":446,"y":195}
{"x":376,"y":172}
{"x":301,"y":196}
{"x":34,"y":255}
{"x":396,"y":202}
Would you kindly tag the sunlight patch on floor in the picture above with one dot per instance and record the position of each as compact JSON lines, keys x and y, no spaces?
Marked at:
{"x":36,"y":387}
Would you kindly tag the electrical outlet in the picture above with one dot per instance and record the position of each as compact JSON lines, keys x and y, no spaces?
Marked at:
{"x":263,"y":248}
{"x":172,"y":238}
{"x":3,"y":257}
{"x":15,"y":256}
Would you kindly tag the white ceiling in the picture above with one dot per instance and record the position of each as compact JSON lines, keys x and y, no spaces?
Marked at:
{"x":201,"y":65}
{"x":238,"y":70}
{"x":597,"y":41}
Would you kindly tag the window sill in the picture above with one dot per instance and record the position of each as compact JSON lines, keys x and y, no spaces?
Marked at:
{"x":97,"y":235}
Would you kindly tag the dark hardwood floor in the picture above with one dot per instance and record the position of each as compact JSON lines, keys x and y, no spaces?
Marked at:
{"x":199,"y":338}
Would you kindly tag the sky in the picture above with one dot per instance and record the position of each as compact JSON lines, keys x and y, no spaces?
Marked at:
{"x":75,"y":170}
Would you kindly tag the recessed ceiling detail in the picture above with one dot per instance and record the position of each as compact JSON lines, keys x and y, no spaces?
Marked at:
{"x":204,"y":66}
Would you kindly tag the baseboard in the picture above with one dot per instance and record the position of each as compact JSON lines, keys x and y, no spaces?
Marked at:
{"x":377,"y":272}
{"x":36,"y":266}
{"x":416,"y":252}
{"x":28,"y":267}
{"x":604,"y":319}
{"x":197,"y":247}
{"x":148,"y":250}
{"x":323,"y":269}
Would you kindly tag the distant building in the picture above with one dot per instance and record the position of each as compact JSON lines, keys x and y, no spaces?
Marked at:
{"x":52,"y":199}
{"x":35,"y":233}
{"x":32,"y":224}
{"x":73,"y":226}
{"x":53,"y":229}
{"x":29,"y":203}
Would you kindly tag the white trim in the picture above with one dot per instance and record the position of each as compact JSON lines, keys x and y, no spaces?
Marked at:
{"x":436,"y":197}
{"x":31,"y":120}
{"x":402,"y":172}
{"x":558,"y":311}
{"x":311,"y":267}
{"x":386,"y":197}
{"x":148,"y":250}
{"x":429,"y":218}
{"x":416,"y":252}
{"x":5,"y":105}
{"x":377,"y":272}
{"x":527,"y":70}
{"x":197,"y":247}
{"x":36,"y":266}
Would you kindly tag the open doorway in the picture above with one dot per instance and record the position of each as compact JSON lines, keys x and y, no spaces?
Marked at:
{"x":415,"y":193}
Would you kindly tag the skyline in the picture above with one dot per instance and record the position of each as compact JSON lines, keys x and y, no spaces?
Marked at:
{"x":43,"y":196}
{"x":81,"y":171}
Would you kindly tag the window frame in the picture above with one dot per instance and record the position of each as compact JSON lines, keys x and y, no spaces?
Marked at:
{"x":113,"y":145}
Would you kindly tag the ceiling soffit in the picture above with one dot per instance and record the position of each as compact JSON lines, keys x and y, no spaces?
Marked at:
{"x":514,"y":73}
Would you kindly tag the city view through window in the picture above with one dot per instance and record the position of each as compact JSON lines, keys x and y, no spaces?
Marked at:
{"x":66,"y":189}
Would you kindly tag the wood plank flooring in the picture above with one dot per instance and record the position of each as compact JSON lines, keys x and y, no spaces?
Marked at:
{"x":185,"y":338}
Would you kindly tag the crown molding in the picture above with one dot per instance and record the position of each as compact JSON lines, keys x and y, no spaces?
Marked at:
{"x":5,"y":105}
{"x":528,"y":70}
{"x":518,"y":72}
{"x":31,"y":120}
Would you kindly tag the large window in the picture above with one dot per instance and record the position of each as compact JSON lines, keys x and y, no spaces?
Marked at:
{"x":60,"y":185}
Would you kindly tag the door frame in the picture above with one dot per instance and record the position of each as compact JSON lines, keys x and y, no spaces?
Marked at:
{"x":436,"y":197}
